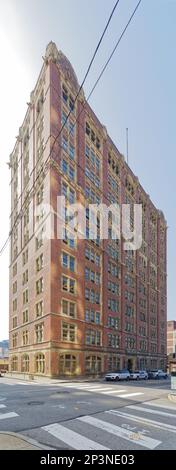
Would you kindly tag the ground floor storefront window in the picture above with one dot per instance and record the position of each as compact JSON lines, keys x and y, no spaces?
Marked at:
{"x":25,"y":363}
{"x":67,"y":364}
{"x":40,"y":363}
{"x":113,"y":363}
{"x":93,"y":364}
{"x":14,"y":364}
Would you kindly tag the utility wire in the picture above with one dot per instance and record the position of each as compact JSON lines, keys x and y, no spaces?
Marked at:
{"x":90,"y":94}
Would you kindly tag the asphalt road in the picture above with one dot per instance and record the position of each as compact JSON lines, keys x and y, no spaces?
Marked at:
{"x":90,"y":415}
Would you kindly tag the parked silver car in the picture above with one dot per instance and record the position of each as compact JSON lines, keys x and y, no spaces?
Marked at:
{"x":157,"y":374}
{"x":143,"y":374}
{"x":119,"y":375}
{"x":134,"y":375}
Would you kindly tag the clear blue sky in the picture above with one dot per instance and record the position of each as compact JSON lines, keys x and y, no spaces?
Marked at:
{"x":137,"y":91}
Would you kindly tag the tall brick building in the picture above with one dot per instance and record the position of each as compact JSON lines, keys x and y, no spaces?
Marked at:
{"x":79,"y":307}
{"x":171,"y":337}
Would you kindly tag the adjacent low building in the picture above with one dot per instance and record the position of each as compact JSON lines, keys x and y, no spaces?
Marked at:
{"x":79,"y":306}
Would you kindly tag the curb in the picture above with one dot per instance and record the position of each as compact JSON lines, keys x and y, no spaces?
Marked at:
{"x":26,"y":439}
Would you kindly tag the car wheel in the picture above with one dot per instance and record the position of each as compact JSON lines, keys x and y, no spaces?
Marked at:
{"x":117,"y":379}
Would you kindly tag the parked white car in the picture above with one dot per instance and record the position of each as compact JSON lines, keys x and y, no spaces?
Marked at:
{"x":119,"y":375}
{"x":157,"y":374}
{"x":143,"y":374}
{"x":134,"y":375}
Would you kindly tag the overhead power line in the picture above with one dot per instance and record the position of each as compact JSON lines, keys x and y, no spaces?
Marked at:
{"x":90,"y":94}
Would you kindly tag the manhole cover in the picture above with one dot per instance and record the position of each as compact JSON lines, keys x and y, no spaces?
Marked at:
{"x":36,"y":403}
{"x":65,"y":391}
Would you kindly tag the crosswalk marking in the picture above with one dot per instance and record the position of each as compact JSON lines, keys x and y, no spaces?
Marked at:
{"x":131,"y":395}
{"x":7,"y":415}
{"x":99,"y":389}
{"x":136,"y":438}
{"x":138,"y":419}
{"x":114,"y":391}
{"x":158,"y":405}
{"x":72,"y":438}
{"x":155,"y":412}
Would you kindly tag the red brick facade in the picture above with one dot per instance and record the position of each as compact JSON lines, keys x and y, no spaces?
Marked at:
{"x":92,"y":307}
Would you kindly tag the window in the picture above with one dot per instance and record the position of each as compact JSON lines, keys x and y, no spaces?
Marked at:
{"x":71,"y":151}
{"x":39,"y":308}
{"x":67,"y":364}
{"x":25,"y":316}
{"x":113,"y":305}
{"x":39,"y":263}
{"x":93,"y":337}
{"x":71,"y":128}
{"x":113,"y":322}
{"x":68,"y":192}
{"x":93,"y":364}
{"x":25,"y":277}
{"x":113,"y":363}
{"x":39,"y":333}
{"x":25,"y":363}
{"x":40,"y":363}
{"x":15,"y":287}
{"x":14,"y":322}
{"x":14,"y":269}
{"x":129,"y":327}
{"x":69,"y":238}
{"x":64,"y":94}
{"x":25,"y":337}
{"x":68,"y":261}
{"x":113,"y":341}
{"x":25,"y":297}
{"x":39,"y":286}
{"x":40,"y":238}
{"x":130,"y":343}
{"x":68,"y":308}
{"x":14,"y":340}
{"x":92,"y":316}
{"x":68,"y":332}
{"x":69,"y":285}
{"x":25,"y":257}
{"x":14,"y":364}
{"x":68,"y":169}
{"x":14,"y":305}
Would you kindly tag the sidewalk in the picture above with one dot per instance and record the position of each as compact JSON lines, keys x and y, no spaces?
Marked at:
{"x":51,"y":381}
{"x":14,"y":441}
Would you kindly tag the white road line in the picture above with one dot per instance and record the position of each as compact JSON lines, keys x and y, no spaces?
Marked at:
{"x":165,"y":407}
{"x":155,"y":424}
{"x":8,"y":415}
{"x":131,"y":395}
{"x":72,"y":438}
{"x":136,"y":438}
{"x":114,"y":391}
{"x":148,"y":410}
{"x":2,"y":406}
{"x":98,"y":389}
{"x":81,"y":386}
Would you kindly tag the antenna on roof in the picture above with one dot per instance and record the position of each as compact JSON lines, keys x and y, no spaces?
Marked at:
{"x":127,"y":144}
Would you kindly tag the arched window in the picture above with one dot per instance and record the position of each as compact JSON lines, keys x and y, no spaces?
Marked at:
{"x":14,"y":363}
{"x":40,"y":363}
{"x":25,"y":363}
{"x":67,"y":364}
{"x":93,"y":364}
